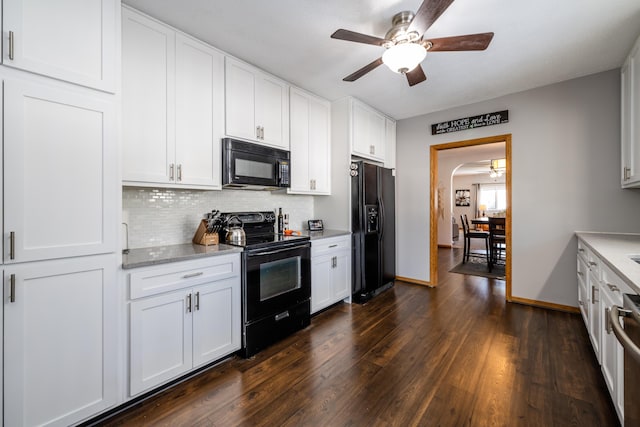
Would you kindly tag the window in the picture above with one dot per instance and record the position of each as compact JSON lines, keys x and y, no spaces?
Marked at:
{"x":493,"y":196}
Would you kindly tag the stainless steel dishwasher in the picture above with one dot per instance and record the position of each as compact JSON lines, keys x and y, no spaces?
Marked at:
{"x":629,"y":337}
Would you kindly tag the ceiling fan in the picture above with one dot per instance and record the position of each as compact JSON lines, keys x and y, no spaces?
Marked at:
{"x":404,"y":43}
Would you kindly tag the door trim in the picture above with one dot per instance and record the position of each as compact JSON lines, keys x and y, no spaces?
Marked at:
{"x":433,"y":220}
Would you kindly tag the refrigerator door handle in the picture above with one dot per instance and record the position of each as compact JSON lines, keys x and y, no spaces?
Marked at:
{"x":381,"y":225}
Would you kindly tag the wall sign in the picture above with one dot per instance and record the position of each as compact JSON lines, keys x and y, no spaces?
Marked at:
{"x":482,"y":120}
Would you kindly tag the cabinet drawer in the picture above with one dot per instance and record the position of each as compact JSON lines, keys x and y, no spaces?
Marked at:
{"x":319,"y":247}
{"x":614,"y":285}
{"x":155,"y":280}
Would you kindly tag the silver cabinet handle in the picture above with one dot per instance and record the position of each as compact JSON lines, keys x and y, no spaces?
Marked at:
{"x":627,"y":173}
{"x":190,"y":275}
{"x":180,"y":172}
{"x":580,"y":250}
{"x":12,"y":245}
{"x":580,"y":303}
{"x":197,"y":304}
{"x":258,"y":132}
{"x":262,"y":132}
{"x":624,"y":339}
{"x":12,"y":290}
{"x":11,"y":52}
{"x":580,"y":273}
{"x":171,"y":166}
{"x":189,"y":303}
{"x":333,"y":246}
{"x":613,"y":288}
{"x":593,"y":294}
{"x":593,"y":263}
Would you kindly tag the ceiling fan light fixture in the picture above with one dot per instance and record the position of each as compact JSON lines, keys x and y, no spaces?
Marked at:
{"x":404,"y":57}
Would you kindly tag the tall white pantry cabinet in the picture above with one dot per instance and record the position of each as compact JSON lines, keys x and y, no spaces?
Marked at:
{"x":60,"y":202}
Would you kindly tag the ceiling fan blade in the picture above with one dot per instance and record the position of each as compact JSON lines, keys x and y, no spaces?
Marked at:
{"x":416,"y":76}
{"x":362,"y":71}
{"x":429,"y":11}
{"x":469,"y":42}
{"x":352,"y":36}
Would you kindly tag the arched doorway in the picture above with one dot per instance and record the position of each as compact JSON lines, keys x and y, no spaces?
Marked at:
{"x":434,"y":149}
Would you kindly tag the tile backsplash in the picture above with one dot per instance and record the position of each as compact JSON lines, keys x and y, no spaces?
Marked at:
{"x":158,"y":216}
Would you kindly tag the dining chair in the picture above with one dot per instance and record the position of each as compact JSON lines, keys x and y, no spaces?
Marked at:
{"x":497,"y":240}
{"x":473,"y":234}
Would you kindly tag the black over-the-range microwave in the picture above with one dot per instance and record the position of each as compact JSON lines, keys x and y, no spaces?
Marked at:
{"x":253,"y":167}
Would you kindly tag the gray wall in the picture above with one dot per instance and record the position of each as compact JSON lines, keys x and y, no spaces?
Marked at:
{"x":565,"y":177}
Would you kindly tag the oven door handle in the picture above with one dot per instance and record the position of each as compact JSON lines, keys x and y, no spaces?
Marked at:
{"x":277,"y":251}
{"x":626,"y":342}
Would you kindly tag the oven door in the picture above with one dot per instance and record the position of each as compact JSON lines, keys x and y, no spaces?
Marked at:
{"x":276,"y":279}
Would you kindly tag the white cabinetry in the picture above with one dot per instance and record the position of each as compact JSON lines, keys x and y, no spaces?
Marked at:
{"x":612,"y":352}
{"x":182,"y":316}
{"x":172,"y":106}
{"x":630,"y":118}
{"x":60,"y":163}
{"x":60,"y":340}
{"x":390,"y":144}
{"x":604,"y":288}
{"x":368,"y":132}
{"x":310,"y":137}
{"x":71,"y":40}
{"x":257,"y":105}
{"x":330,"y":271}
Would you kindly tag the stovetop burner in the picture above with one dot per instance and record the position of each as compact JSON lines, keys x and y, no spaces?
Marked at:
{"x":259,"y":228}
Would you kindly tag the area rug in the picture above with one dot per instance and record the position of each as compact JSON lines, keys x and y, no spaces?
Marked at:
{"x":479,"y":269}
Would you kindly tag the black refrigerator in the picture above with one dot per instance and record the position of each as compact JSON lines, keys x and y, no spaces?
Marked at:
{"x":373,"y":218}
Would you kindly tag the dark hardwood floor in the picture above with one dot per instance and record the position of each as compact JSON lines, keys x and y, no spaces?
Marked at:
{"x":456,"y":355}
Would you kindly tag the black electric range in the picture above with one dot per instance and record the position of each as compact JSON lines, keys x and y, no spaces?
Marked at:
{"x":276,"y":281}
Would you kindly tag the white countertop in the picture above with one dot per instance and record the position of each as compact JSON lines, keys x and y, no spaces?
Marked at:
{"x":614,"y":249}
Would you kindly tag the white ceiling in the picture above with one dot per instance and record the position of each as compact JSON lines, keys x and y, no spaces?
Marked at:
{"x":536,"y":42}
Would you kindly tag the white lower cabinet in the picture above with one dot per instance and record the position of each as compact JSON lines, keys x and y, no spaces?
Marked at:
{"x":60,"y":340}
{"x":330,"y":271}
{"x":604,"y":289}
{"x":174,"y":332}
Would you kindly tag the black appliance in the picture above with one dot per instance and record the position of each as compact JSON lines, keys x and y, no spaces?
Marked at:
{"x":253,"y":167}
{"x":373,"y":227}
{"x":276,"y":282}
{"x":629,"y":338}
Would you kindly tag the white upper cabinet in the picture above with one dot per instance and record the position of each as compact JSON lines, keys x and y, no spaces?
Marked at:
{"x":172,"y":106}
{"x":199,"y":113}
{"x":390,"y":144}
{"x":71,"y":40}
{"x":257,"y":105}
{"x":310,"y":144}
{"x":368,"y":132}
{"x":60,"y":168}
{"x":630,"y":114}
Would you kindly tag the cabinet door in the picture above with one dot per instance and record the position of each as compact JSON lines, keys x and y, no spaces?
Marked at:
{"x":321,"y":290}
{"x":341,"y":275}
{"x":300,"y":157}
{"x":390,"y":144}
{"x":199,"y":113}
{"x":240,"y":115}
{"x":60,"y":157}
{"x":216,"y":320}
{"x":583,"y":299}
{"x":71,"y":40}
{"x":608,"y":344}
{"x":368,"y":132}
{"x":60,"y":340}
{"x":595,"y":317}
{"x":319,"y":148}
{"x":160,"y":339}
{"x":148,"y":80}
{"x":631,"y":114}
{"x":272,"y":111}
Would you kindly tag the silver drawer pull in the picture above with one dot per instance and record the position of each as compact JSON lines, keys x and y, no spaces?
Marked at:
{"x":580,"y":250}
{"x":333,"y":246}
{"x":11,"y":50}
{"x":12,"y":291}
{"x":282,"y":315}
{"x":613,"y":288}
{"x":189,"y":303}
{"x":593,"y":263}
{"x":189,"y":276}
{"x":580,"y":273}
